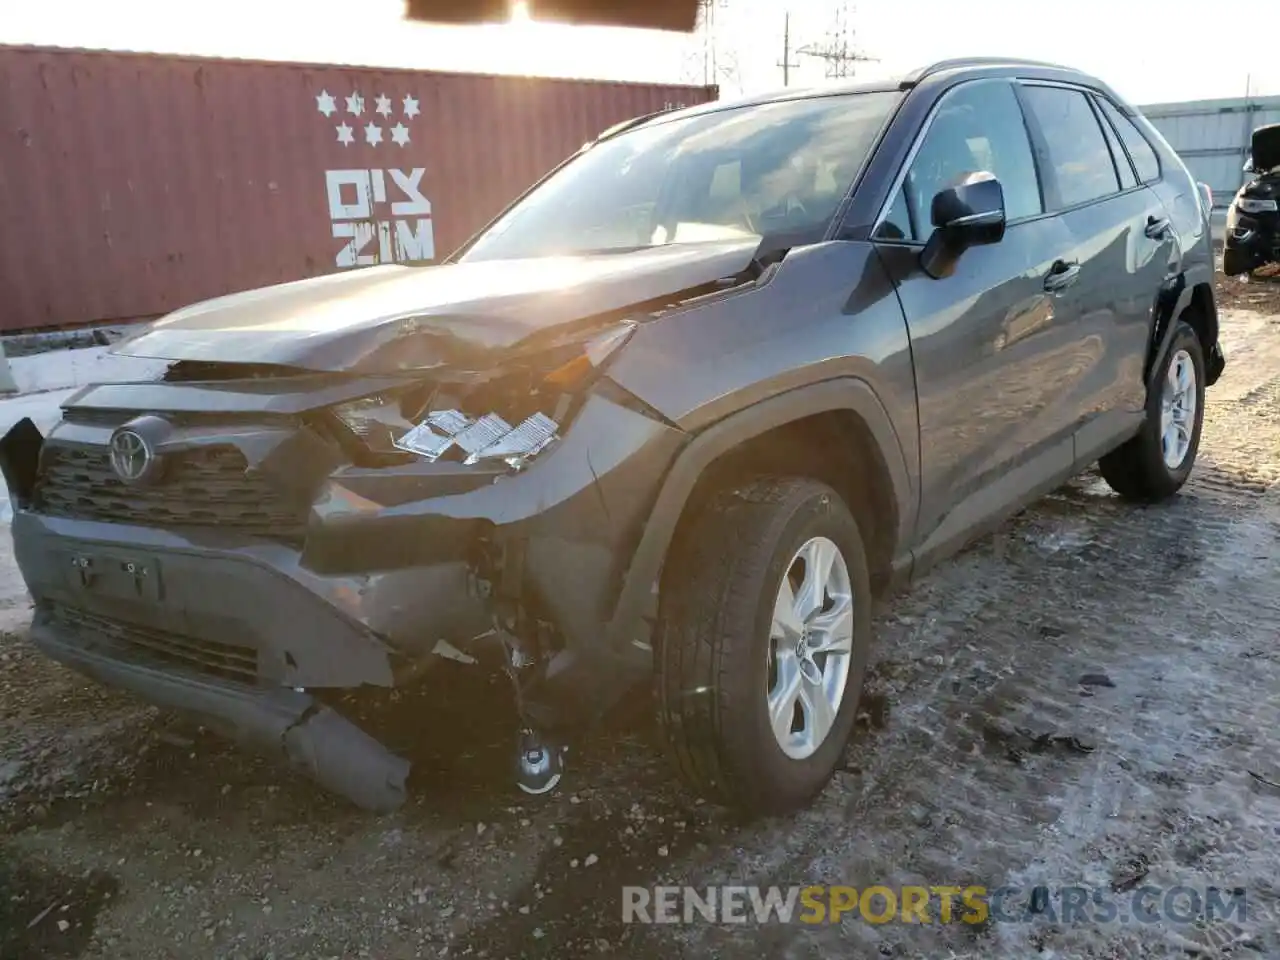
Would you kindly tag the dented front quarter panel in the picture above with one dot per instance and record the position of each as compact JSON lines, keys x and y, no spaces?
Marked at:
{"x":826,"y":312}
{"x":575,"y":511}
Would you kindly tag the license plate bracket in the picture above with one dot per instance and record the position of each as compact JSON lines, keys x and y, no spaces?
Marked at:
{"x":115,"y":574}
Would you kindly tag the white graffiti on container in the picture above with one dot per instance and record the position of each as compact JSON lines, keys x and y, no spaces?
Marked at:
{"x":381,"y":214}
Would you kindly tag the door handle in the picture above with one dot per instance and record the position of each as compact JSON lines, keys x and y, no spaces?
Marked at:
{"x":1157,"y":227}
{"x":1061,"y":275}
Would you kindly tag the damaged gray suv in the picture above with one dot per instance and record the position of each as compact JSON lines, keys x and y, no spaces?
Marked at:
{"x":673,"y":419}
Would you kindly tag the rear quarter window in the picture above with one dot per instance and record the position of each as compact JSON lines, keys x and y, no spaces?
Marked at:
{"x":1144,"y":156}
{"x":1118,"y":153}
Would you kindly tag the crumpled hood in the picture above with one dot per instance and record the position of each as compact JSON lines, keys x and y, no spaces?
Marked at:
{"x":392,"y":318}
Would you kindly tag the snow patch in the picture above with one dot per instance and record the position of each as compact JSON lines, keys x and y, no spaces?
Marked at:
{"x":46,"y":380}
{"x":63,"y":369}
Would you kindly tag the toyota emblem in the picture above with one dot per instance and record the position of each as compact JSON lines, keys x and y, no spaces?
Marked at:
{"x":132,"y":457}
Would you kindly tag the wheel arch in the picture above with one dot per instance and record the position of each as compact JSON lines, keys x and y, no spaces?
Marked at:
{"x":1191,"y":300}
{"x":845,"y":414}
{"x":1201,"y":312}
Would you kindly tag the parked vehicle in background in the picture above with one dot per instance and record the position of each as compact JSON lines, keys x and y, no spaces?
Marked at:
{"x":1253,"y":221}
{"x":674,"y":417}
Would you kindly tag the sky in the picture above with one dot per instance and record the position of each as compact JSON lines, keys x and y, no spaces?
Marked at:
{"x":1151,"y":52}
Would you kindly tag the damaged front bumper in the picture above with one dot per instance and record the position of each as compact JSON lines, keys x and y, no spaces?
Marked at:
{"x":277,"y":722}
{"x":394,"y":567}
{"x":1251,"y":241}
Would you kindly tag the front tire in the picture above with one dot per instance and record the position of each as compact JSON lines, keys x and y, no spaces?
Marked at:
{"x":1157,"y":461}
{"x":763,"y":643}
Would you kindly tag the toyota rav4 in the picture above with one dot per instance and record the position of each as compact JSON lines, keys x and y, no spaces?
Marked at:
{"x":674,"y":418}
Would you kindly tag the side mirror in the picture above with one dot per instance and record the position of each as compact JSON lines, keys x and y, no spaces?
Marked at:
{"x":1248,"y":166}
{"x":969,"y":214}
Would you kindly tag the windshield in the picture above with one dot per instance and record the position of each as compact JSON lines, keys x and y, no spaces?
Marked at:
{"x":758,"y":171}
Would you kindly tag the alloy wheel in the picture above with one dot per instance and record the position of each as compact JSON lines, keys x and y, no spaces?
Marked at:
{"x":1178,"y":410}
{"x":810,"y":646}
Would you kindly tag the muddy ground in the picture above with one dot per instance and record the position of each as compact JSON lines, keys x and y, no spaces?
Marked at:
{"x":984,"y":760}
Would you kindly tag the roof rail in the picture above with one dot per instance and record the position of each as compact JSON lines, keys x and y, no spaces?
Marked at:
{"x":915,"y":76}
{"x":626,"y":125}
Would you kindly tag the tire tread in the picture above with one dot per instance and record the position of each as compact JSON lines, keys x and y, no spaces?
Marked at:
{"x":1136,"y":469}
{"x":708,"y":624}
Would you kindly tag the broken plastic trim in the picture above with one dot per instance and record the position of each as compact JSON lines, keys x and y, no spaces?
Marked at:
{"x":312,"y":737}
{"x":20,"y":461}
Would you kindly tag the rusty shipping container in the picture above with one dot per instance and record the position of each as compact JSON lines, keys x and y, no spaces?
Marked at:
{"x":132,"y":184}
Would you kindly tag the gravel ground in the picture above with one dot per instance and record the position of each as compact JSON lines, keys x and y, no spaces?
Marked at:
{"x":983,"y":759}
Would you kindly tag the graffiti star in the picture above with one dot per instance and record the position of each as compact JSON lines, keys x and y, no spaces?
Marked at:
{"x":372,"y":134}
{"x":344,"y":134}
{"x":400,"y":134}
{"x":384,"y":105}
{"x":325,"y":104}
{"x":410,"y":107}
{"x":355,"y":104}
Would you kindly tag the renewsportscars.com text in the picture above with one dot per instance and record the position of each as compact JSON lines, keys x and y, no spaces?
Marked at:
{"x":932,"y":904}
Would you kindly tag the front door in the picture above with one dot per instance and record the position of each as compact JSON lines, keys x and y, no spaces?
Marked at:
{"x":988,"y":340}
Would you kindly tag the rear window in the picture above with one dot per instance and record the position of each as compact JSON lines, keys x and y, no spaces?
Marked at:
{"x":1144,"y":157}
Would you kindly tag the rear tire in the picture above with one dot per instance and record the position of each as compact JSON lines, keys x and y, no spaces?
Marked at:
{"x":722,"y":673}
{"x":1156,"y":463}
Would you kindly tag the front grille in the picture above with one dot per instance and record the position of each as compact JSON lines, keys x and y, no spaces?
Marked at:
{"x":199,"y":488}
{"x":148,"y":645}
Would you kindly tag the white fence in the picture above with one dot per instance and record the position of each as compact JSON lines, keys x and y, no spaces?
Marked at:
{"x":1212,"y":137}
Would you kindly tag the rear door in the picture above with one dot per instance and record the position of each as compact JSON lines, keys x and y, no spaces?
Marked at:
{"x":1122,"y":250}
{"x":985,"y":340}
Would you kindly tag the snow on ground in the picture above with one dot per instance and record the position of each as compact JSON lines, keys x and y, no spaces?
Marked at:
{"x":61,"y":369}
{"x":1090,"y":696}
{"x":45,"y":380}
{"x":42,"y":408}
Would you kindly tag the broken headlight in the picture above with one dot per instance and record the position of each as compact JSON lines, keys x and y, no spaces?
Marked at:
{"x":485,"y":438}
{"x":510,"y":417}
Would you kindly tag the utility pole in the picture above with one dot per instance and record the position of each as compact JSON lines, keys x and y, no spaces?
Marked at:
{"x":707,"y":22}
{"x":1247,"y":134}
{"x":706,"y":55}
{"x":785,"y":63}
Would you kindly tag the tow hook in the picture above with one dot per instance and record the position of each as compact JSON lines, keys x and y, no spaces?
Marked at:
{"x":539,"y":762}
{"x":540,"y":757}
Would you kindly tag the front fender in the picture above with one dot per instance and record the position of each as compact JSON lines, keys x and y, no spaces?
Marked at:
{"x":637,"y":597}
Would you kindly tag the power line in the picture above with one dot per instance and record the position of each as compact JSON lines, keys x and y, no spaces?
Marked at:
{"x":837,"y":50}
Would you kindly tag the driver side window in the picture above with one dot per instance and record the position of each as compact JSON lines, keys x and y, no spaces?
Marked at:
{"x":977,"y":127}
